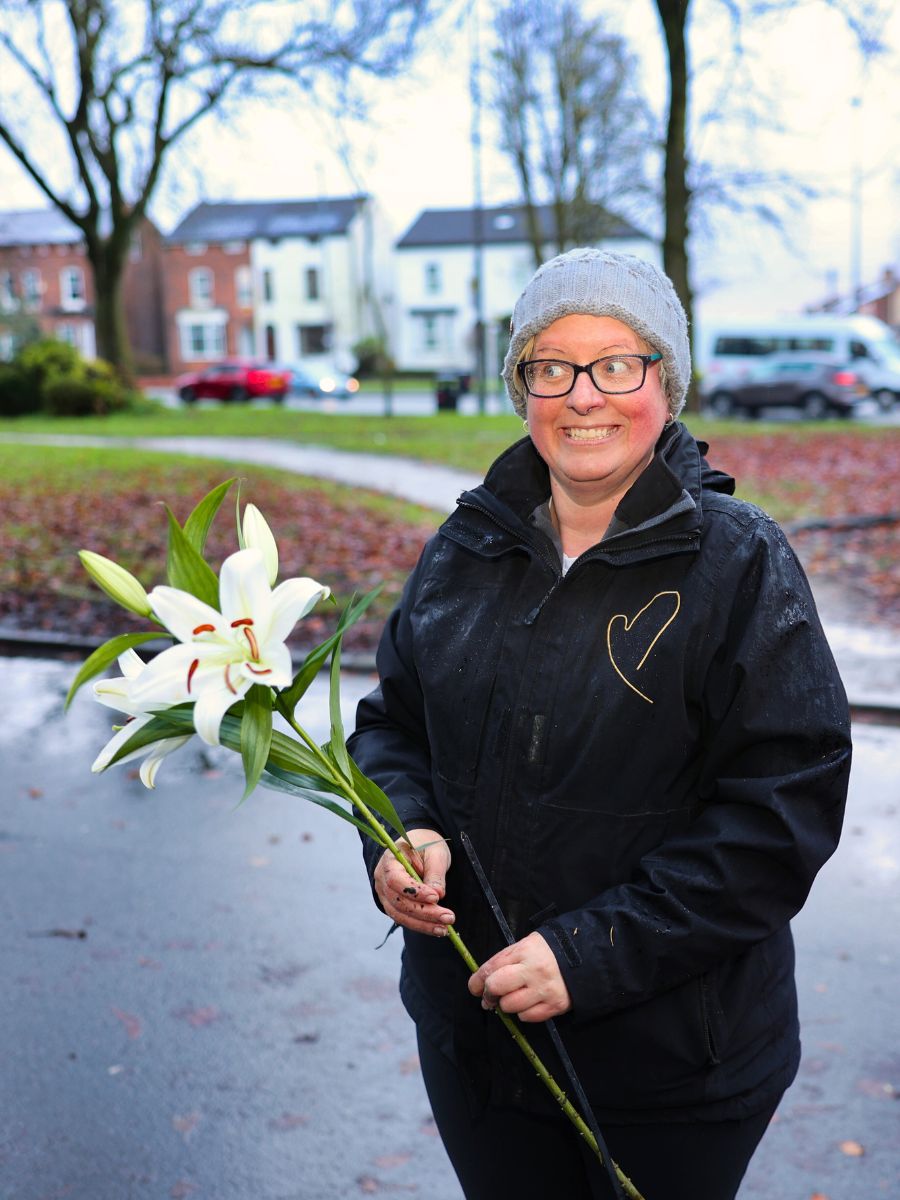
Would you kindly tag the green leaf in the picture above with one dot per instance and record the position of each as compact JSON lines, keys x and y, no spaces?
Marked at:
{"x":256,"y":734}
{"x":186,"y":567}
{"x":104,"y":655}
{"x":369,"y":791}
{"x":282,"y":781}
{"x":312,"y":664}
{"x":337,"y":744}
{"x":237,"y":518}
{"x":196,"y":527}
{"x":164,"y":725}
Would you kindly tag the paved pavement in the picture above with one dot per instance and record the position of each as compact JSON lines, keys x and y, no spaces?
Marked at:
{"x":868,"y":656}
{"x":193,"y":1006}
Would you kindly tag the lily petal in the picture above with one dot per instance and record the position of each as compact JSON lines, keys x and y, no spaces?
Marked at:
{"x":131,"y":664}
{"x":244,"y":588}
{"x":158,"y":751}
{"x":291,"y":601}
{"x":164,"y":680}
{"x":117,"y":741}
{"x":182,"y":613}
{"x":212,"y":706}
{"x":258,"y":535}
{"x":276,"y":660}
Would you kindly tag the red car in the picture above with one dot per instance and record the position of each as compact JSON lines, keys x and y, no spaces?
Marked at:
{"x":233,"y":379}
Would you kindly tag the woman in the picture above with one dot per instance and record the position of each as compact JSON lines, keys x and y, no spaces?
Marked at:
{"x":610,"y":674}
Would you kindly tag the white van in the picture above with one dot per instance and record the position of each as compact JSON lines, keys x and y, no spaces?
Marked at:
{"x":734,"y":350}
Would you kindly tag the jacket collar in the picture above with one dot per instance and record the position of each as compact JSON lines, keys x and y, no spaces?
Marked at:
{"x":663,"y":505}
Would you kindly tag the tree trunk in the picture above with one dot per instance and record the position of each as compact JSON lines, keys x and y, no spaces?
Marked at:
{"x":107,"y":261}
{"x":673,"y":15}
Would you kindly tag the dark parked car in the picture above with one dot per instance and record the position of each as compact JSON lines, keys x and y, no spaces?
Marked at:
{"x":319,"y":384}
{"x":817,"y":384}
{"x":233,"y":379}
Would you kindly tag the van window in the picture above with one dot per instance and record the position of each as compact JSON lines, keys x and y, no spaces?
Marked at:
{"x":859,"y":350}
{"x":812,"y":343}
{"x":746,"y":347}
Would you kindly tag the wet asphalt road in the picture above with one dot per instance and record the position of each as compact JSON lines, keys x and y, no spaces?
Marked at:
{"x":193,"y":1005}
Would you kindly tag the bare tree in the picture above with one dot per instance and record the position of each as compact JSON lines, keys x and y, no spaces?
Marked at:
{"x":105,"y":88}
{"x":682,"y":181}
{"x":572,"y":120}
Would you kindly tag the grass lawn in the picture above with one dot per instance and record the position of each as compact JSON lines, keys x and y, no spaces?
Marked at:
{"x":468,"y":442}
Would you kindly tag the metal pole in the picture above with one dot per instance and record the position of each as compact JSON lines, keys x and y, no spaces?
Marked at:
{"x":856,"y":205}
{"x":478,"y":211}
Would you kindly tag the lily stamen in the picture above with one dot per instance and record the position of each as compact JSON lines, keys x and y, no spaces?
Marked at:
{"x":204,"y":629}
{"x":228,"y":682}
{"x":254,"y":644}
{"x":191,"y":669}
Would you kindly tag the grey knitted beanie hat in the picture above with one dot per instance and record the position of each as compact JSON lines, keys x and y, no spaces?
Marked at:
{"x":603,"y":283}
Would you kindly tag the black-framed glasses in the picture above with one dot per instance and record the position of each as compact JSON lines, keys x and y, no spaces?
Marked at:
{"x":615,"y":374}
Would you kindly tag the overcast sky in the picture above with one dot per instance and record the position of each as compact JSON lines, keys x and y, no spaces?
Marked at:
{"x":415,"y":152}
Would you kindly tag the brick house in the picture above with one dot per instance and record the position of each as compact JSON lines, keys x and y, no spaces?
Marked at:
{"x":435,"y":265}
{"x":283,"y":280}
{"x":880,"y":299}
{"x":46,"y":285}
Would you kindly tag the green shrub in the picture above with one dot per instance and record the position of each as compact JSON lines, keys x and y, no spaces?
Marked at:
{"x":71,"y":396}
{"x":18,"y":396}
{"x":45,"y":359}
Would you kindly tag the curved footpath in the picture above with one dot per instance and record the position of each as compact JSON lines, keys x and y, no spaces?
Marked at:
{"x":868,"y":656}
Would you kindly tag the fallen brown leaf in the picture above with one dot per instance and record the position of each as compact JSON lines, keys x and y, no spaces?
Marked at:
{"x":852,"y":1149}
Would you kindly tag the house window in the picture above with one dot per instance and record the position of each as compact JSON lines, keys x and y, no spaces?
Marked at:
{"x":430,"y":333}
{"x":234,"y":247}
{"x":202,"y":340}
{"x":271,"y":343}
{"x":313,"y":339}
{"x":31,"y":289}
{"x":71,"y":287}
{"x":200,"y":285}
{"x":268,"y":286}
{"x":195,"y":249}
{"x":243,"y":287}
{"x":312,"y":283}
{"x":7,"y":346}
{"x":7,"y":291}
{"x":432,"y":277}
{"x":67,"y":333}
{"x":435,"y":332}
{"x":246,"y":346}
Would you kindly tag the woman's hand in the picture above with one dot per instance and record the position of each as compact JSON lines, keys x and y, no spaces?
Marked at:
{"x":414,"y":905}
{"x":524,"y":979}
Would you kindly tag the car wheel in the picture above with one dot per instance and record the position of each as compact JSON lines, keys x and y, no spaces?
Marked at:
{"x":885,"y":399}
{"x":721,"y":404}
{"x":188,"y":395}
{"x":815,"y":406}
{"x":238,"y":394}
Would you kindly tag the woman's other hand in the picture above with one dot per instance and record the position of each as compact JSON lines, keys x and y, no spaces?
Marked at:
{"x":524,"y":979}
{"x":416,"y":906}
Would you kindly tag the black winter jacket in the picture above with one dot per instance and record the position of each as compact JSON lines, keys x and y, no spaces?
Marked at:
{"x":650,"y":755}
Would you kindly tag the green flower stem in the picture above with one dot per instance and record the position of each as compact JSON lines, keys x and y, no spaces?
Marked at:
{"x":462,"y":950}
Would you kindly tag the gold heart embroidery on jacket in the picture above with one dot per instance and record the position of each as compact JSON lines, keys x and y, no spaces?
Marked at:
{"x":644,"y":629}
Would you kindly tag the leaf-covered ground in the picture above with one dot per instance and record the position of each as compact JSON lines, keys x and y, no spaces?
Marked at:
{"x":333,"y":534}
{"x":798,"y":476}
{"x":54,"y":503}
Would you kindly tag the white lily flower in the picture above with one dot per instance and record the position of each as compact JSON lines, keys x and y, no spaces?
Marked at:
{"x":257,"y":535}
{"x":222,"y":654}
{"x":118,"y":693}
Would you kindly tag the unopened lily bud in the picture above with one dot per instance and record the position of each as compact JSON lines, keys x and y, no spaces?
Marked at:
{"x":120,"y":585}
{"x":258,"y":536}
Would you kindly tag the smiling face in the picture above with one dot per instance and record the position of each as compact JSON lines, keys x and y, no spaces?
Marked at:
{"x":595,"y":445}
